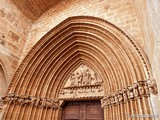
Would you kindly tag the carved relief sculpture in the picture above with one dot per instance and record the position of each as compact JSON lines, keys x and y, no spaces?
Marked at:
{"x":82,"y":82}
{"x":133,"y":92}
{"x":29,"y":100}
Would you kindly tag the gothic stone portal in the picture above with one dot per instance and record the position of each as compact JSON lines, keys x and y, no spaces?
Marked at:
{"x":83,"y":83}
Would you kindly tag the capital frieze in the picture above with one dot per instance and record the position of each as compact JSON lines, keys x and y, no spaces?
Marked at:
{"x":153,"y":87}
{"x":12,"y":98}
{"x":132,"y":92}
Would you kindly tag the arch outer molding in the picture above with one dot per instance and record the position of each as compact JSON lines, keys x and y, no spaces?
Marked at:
{"x":6,"y":67}
{"x":97,"y":43}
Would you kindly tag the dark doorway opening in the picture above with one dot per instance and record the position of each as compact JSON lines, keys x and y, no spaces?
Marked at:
{"x":86,"y":110}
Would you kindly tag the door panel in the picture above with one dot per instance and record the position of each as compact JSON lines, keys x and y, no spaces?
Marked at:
{"x":93,"y":111}
{"x":72,"y":112}
{"x":83,"y":111}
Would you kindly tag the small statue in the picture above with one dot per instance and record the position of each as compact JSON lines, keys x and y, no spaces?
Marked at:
{"x":32,"y":100}
{"x":130,"y":92}
{"x":51,"y":103}
{"x":135,"y":90}
{"x":120,"y":96}
{"x":141,"y":88}
{"x":146,"y":88}
{"x":125,"y":97}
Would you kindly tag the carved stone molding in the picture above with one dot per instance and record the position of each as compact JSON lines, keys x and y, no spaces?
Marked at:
{"x":82,"y":83}
{"x":29,"y":100}
{"x":133,"y":92}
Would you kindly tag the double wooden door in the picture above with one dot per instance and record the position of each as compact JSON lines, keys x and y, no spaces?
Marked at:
{"x":83,"y":111}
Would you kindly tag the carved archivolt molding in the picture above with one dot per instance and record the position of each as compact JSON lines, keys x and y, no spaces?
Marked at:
{"x":83,"y":83}
{"x":133,"y":92}
{"x":29,"y":100}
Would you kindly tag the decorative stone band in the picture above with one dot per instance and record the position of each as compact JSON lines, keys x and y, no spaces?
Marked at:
{"x":29,"y":100}
{"x":133,"y":92}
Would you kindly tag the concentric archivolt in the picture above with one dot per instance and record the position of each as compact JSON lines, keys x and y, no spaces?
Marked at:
{"x":79,"y":40}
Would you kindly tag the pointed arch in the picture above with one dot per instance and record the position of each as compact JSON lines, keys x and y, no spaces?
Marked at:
{"x":117,"y":58}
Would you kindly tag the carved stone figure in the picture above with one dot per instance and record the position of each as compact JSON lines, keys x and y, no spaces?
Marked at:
{"x":105,"y":101}
{"x":30,"y":100}
{"x":23,"y":99}
{"x":130,"y":92}
{"x":115,"y":98}
{"x":141,"y":88}
{"x":125,"y":97}
{"x":86,"y":78}
{"x":135,"y":90}
{"x":8,"y":97}
{"x":120,"y":96}
{"x":51,"y":103}
{"x":96,"y":80}
{"x":82,"y":82}
{"x":112,"y":99}
{"x":73,"y":79}
{"x":146,"y":88}
{"x":33,"y":100}
{"x":20,"y":99}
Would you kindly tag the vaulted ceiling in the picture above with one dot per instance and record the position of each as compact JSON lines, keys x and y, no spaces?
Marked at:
{"x":34,"y":8}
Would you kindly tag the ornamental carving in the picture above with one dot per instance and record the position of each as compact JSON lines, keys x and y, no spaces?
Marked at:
{"x":29,"y":100}
{"x":133,"y":92}
{"x":153,"y":86}
{"x":83,"y":82}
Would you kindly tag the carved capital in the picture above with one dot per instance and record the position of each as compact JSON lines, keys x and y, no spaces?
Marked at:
{"x":120,"y":96}
{"x":135,"y":90}
{"x":82,"y":83}
{"x":106,"y":102}
{"x":30,"y":100}
{"x":132,"y":92}
{"x":153,"y":87}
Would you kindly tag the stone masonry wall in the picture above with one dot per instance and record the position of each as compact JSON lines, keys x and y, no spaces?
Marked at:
{"x":119,"y":12}
{"x":14,"y":29}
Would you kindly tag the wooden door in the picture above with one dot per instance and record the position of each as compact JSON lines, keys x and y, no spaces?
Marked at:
{"x":83,"y":111}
